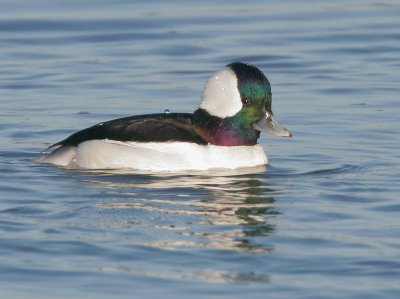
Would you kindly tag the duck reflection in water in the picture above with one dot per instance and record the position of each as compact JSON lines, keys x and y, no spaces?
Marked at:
{"x":214,"y":211}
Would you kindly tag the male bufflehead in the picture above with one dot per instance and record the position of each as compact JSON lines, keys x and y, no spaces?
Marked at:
{"x":221,"y":133}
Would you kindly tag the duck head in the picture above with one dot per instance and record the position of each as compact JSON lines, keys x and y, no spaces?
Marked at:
{"x":236,"y":107}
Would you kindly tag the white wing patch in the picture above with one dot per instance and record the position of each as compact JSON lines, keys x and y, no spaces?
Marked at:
{"x":221,"y":96}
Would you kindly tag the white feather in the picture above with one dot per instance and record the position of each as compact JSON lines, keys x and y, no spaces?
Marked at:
{"x":221,"y":96}
{"x":154,"y":156}
{"x":62,"y":156}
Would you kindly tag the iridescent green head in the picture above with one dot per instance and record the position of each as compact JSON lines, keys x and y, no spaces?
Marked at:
{"x":238,"y":100}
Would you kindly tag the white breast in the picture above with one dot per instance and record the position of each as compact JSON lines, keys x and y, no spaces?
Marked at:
{"x":155,"y":156}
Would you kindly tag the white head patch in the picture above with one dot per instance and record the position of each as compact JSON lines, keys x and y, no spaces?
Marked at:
{"x":221,"y":96}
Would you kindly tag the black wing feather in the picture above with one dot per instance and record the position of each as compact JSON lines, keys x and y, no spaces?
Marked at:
{"x":141,"y":128}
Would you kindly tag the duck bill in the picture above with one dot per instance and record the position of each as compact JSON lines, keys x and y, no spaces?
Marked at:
{"x":269,"y":124}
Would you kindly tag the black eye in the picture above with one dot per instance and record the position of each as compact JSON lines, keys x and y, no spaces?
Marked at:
{"x":246,"y":100}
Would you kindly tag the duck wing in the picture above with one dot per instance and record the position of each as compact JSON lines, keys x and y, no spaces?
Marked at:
{"x":140,"y":128}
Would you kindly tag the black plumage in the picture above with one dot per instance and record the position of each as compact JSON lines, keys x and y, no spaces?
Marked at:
{"x":161,"y":127}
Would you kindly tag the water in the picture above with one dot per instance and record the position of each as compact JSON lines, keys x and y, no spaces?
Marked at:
{"x":322,"y":220}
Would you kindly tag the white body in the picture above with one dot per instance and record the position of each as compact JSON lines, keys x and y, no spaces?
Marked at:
{"x":154,"y":156}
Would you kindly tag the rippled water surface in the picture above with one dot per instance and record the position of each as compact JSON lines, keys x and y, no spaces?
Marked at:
{"x":322,"y":221}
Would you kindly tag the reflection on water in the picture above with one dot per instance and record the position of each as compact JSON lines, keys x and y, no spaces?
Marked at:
{"x":321,"y":221}
{"x":228,"y":213}
{"x":205,"y":275}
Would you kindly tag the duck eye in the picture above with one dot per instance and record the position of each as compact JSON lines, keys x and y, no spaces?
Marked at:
{"x":246,"y":100}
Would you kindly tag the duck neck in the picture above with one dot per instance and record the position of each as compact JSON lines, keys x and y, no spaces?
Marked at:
{"x":229,"y":131}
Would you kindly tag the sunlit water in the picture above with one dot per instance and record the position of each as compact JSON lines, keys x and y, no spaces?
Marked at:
{"x":322,"y":221}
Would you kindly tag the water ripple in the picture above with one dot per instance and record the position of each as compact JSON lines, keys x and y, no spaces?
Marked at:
{"x":319,"y":221}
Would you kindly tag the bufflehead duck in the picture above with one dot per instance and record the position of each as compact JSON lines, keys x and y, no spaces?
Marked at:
{"x":221,"y":133}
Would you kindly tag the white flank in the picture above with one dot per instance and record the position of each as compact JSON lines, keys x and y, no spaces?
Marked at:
{"x":153,"y":156}
{"x":221,"y":96}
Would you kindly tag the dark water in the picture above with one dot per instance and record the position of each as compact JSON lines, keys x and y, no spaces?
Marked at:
{"x":321,"y":222}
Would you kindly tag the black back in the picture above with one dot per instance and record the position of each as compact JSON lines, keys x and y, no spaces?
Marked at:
{"x":141,"y":128}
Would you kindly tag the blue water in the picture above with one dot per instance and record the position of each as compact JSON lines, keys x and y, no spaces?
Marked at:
{"x":321,"y":222}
